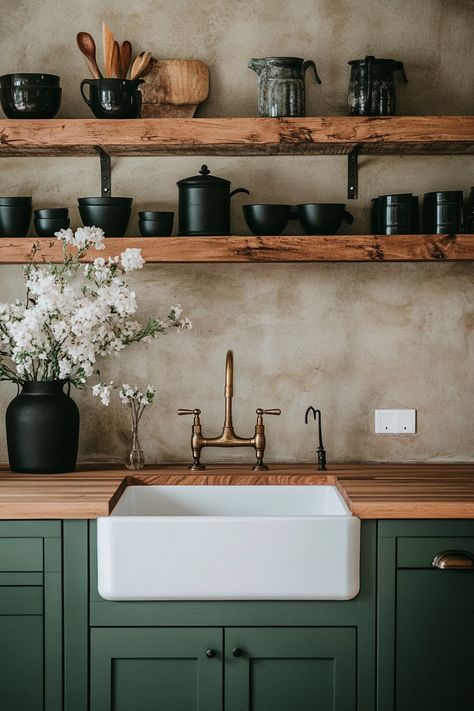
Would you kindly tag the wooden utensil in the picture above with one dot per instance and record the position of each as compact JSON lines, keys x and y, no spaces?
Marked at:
{"x":174,"y":88}
{"x":86,"y":44}
{"x":116,"y":60}
{"x":125,"y":57}
{"x":140,"y":64}
{"x":108,"y":47}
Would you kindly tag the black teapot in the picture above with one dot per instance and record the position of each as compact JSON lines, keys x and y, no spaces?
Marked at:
{"x":204,"y":204}
{"x":372,"y":88}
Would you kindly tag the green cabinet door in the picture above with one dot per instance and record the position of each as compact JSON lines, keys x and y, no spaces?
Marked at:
{"x":21,"y":663}
{"x":156,"y":669}
{"x":434,"y":640}
{"x":285,"y":669}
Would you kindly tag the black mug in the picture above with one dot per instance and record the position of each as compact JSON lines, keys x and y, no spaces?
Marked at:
{"x":443,"y":212}
{"x":113,"y":98}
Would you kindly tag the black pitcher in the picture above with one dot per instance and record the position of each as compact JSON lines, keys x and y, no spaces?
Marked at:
{"x":42,"y":429}
{"x":113,"y":98}
{"x":281,"y":85}
{"x":372,"y":88}
{"x":204,"y":204}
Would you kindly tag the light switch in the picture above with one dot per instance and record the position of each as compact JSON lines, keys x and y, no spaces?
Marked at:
{"x":395,"y":421}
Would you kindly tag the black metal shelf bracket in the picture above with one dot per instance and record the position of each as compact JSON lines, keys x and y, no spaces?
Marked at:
{"x":105,"y":172}
{"x":353,"y":173}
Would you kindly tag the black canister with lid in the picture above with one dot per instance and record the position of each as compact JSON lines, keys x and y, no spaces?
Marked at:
{"x":204,"y":204}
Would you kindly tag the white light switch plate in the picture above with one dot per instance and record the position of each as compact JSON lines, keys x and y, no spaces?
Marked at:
{"x":395,"y":421}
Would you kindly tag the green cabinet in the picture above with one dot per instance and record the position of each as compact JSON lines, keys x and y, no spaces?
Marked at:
{"x":278,"y":669}
{"x":30,"y":616}
{"x":209,"y":669}
{"x":426,"y":618}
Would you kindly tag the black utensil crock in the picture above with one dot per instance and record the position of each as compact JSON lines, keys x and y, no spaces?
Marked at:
{"x":113,"y":98}
{"x":323,"y":218}
{"x":42,"y":425}
{"x":267,"y":219}
{"x":15,"y":220}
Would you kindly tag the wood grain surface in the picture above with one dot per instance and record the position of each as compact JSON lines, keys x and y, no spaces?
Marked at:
{"x":239,"y":136}
{"x":188,"y":250}
{"x":383,"y":491}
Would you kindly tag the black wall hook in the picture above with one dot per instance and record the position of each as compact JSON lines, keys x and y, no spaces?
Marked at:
{"x":321,"y":452}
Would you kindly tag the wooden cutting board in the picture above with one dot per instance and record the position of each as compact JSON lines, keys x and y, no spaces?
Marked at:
{"x":175,"y":88}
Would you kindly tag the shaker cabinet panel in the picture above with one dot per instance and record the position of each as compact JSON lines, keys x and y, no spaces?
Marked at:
{"x":156,"y":669}
{"x":21,"y":663}
{"x":279,"y":669}
{"x":434,"y":633}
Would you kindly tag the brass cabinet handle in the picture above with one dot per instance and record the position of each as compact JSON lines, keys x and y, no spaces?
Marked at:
{"x":453,"y":560}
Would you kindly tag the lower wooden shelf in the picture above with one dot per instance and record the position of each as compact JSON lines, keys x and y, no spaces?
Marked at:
{"x":340,"y":248}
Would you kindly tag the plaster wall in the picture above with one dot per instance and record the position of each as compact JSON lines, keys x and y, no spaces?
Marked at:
{"x":346,"y":338}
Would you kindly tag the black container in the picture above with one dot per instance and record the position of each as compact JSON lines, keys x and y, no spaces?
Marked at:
{"x":50,"y":213}
{"x":15,"y":220}
{"x":31,"y":102}
{"x":372,"y":88}
{"x":29,"y":80}
{"x":46,"y":227}
{"x":443,"y":212}
{"x":113,"y":98}
{"x":323,"y":218}
{"x":112,"y":217}
{"x":469,"y":213}
{"x":395,"y":214}
{"x":204,"y":204}
{"x":42,"y":424}
{"x":267,"y":219}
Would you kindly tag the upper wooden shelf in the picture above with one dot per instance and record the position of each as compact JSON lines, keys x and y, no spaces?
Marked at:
{"x":239,"y":136}
{"x":341,"y":248}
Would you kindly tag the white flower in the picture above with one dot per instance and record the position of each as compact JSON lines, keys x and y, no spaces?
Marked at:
{"x":132,"y":259}
{"x":102,"y":391}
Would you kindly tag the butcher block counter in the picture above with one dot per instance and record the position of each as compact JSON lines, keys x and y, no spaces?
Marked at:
{"x":372,"y":491}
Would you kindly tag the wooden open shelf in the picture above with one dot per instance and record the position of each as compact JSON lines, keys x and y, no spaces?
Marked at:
{"x":342,"y":248}
{"x":239,"y":136}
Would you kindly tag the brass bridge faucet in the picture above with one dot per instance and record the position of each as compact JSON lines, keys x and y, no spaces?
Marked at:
{"x":227,"y":437}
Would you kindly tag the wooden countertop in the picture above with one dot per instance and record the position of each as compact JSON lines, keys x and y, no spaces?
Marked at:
{"x":371,"y":490}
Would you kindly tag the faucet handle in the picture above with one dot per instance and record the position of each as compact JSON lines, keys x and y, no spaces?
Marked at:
{"x":272,"y":411}
{"x":182,"y":411}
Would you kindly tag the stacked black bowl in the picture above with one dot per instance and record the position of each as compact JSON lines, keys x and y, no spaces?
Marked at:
{"x":155,"y":223}
{"x":15,"y":216}
{"x":111,"y":214}
{"x":32,"y":96}
{"x":51,"y":220}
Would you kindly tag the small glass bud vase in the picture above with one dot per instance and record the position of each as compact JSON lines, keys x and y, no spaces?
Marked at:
{"x":135,"y":458}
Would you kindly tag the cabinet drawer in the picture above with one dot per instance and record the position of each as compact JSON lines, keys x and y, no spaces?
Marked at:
{"x":21,"y":600}
{"x":420,"y":552}
{"x":21,"y":554}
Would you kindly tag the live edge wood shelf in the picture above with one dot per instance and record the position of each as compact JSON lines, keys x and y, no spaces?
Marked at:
{"x":342,"y":248}
{"x":239,"y":136}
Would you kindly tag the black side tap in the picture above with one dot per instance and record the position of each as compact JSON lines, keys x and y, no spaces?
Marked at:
{"x":321,"y":463}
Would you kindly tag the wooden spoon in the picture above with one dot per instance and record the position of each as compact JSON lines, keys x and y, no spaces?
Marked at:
{"x":86,"y":44}
{"x":108,"y":46}
{"x":116,"y":60}
{"x":140,"y":64}
{"x":125,"y":57}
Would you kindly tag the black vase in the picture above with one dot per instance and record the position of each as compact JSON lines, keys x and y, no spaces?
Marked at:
{"x":42,"y":425}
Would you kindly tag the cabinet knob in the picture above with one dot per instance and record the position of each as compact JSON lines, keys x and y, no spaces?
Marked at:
{"x":237,"y":652}
{"x":210,"y":653}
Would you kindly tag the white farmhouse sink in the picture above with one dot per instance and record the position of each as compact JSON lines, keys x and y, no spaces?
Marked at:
{"x":229,"y":543}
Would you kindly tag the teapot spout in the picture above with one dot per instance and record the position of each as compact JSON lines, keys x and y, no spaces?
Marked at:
{"x":256,"y":65}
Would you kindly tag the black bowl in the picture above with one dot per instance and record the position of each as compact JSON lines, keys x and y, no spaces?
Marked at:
{"x":47,"y":227}
{"x":155,"y":228}
{"x":15,"y":221}
{"x":29,"y":80}
{"x":16,"y":201}
{"x":115,"y":201}
{"x":52,"y":213}
{"x":267,"y":219}
{"x":323,"y":218}
{"x":157,"y":215}
{"x":34,"y":102}
{"x":112,"y":219}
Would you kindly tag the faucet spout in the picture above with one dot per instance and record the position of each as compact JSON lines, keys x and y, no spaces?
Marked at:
{"x":229,"y":391}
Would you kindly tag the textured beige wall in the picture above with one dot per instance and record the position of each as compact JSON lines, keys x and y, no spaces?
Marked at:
{"x":347,"y":338}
